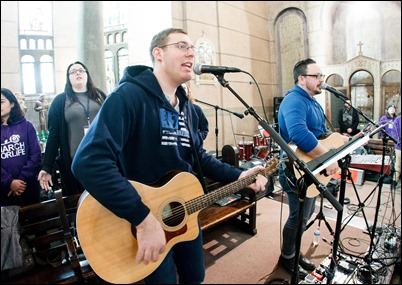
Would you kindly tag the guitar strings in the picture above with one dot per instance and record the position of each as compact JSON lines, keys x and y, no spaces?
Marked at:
{"x":177,"y":213}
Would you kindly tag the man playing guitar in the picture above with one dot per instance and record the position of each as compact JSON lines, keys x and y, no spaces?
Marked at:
{"x":301,"y":121}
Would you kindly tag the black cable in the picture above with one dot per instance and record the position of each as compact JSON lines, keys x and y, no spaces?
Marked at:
{"x":280,"y":280}
{"x":259,"y":92}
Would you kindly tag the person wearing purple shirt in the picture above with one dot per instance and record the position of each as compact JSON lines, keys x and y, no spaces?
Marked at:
{"x":397,"y":127}
{"x":388,"y":120}
{"x":20,"y":154}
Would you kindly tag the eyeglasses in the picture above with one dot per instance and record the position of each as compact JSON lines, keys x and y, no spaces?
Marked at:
{"x":75,"y":71}
{"x":183,"y":46}
{"x":317,"y":76}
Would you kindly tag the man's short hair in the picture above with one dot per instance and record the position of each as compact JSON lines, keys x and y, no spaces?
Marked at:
{"x":160,"y":39}
{"x":301,"y":68}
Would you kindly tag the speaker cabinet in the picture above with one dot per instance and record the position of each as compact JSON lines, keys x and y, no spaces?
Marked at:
{"x":230,"y":155}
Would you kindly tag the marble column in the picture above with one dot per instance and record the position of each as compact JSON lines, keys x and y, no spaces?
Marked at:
{"x":91,"y":47}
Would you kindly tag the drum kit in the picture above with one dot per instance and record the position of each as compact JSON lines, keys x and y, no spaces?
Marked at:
{"x":259,"y":147}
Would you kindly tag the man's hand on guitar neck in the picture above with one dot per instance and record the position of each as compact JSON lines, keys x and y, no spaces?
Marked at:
{"x":260,"y":181}
{"x":151,"y":240}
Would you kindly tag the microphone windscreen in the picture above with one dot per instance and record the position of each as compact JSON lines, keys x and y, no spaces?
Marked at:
{"x":197,"y":68}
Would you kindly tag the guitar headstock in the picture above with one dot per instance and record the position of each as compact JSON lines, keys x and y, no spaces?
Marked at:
{"x":270,"y":167}
{"x":368,"y":128}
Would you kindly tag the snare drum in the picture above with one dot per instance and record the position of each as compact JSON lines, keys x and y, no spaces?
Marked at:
{"x":245,"y":150}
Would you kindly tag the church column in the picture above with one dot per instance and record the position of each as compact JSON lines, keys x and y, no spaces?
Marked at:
{"x":91,"y":47}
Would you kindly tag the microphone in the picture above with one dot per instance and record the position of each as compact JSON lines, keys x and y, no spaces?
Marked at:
{"x":201,"y":68}
{"x":332,"y":90}
{"x":241,"y":116}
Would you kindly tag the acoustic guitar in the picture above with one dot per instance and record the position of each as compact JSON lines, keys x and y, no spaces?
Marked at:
{"x":334,"y":141}
{"x":336,"y":151}
{"x":109,"y":242}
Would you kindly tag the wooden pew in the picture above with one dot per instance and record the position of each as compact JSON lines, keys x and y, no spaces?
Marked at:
{"x":68,"y":212}
{"x":50,"y":237}
{"x":376,"y":146}
{"x":241,"y":212}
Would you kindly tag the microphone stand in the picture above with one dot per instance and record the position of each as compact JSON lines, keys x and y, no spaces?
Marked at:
{"x":241,"y":116}
{"x":299,"y":164}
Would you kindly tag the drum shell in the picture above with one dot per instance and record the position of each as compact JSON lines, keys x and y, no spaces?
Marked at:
{"x":245,"y":150}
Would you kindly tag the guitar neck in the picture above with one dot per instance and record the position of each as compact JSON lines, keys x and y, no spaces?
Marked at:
{"x":208,"y":199}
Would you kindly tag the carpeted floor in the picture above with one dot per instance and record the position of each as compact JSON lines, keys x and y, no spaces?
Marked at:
{"x":235,"y":257}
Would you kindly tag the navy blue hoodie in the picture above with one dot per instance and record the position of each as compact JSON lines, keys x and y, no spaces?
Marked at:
{"x":138,"y":135}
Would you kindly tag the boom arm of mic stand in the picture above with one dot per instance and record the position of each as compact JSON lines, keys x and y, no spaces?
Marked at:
{"x":241,"y":116}
{"x":291,"y":154}
{"x":216,"y":126}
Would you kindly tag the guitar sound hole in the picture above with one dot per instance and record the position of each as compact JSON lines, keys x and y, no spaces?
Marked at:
{"x":173,"y":214}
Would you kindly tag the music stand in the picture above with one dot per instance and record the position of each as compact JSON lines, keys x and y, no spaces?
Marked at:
{"x":343,"y":157}
{"x":361,"y":204}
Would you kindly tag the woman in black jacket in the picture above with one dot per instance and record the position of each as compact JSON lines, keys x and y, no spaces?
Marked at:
{"x":70,"y":115}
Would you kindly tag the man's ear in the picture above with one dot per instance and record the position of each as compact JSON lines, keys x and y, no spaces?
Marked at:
{"x":157,"y":53}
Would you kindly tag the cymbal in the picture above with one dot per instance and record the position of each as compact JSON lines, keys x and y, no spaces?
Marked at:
{"x":244,"y":135}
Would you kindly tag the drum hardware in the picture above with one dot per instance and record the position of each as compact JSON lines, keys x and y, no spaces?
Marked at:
{"x":244,"y":135}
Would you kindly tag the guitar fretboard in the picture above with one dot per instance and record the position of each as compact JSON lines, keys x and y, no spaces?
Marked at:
{"x":208,"y":199}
